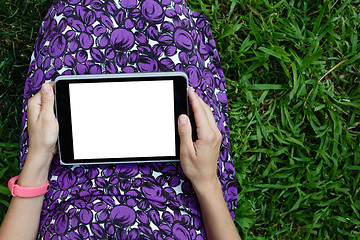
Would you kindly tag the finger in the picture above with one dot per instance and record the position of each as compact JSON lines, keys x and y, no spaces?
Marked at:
{"x":47,"y":99}
{"x":207,"y":129}
{"x":209,"y":114}
{"x":201,"y":119}
{"x":211,"y":120}
{"x":52,"y":84}
{"x":33,"y":107}
{"x":186,"y":143}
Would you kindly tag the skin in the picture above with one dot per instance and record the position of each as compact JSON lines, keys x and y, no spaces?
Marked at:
{"x":199,"y":163}
{"x":198,"y":160}
{"x":23,"y":216}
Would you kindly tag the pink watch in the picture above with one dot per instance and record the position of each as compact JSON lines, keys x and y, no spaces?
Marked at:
{"x":18,"y":191}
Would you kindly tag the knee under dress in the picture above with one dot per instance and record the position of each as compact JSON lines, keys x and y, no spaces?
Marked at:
{"x":127,"y":201}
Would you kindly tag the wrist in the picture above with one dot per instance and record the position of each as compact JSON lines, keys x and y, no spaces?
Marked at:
{"x":32,"y":176}
{"x":208,"y":188}
{"x":40,"y":153}
{"x":35,"y":170}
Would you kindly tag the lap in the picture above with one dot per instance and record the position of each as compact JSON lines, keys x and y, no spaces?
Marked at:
{"x":99,"y":37}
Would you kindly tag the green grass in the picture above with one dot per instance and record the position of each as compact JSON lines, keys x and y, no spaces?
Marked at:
{"x":292,"y":72}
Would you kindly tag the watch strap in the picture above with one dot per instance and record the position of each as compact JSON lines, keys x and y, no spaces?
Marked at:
{"x":19,"y":191}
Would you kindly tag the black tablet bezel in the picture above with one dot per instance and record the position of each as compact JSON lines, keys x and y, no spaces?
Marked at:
{"x":63,"y":112}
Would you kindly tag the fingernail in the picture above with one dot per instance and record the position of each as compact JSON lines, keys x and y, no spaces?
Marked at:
{"x":182,"y":120}
{"x":46,"y":88}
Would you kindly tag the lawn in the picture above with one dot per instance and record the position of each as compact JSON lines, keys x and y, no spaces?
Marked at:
{"x":293,"y":80}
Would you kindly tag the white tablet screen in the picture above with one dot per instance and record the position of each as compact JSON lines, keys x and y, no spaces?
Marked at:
{"x":122,"y":119}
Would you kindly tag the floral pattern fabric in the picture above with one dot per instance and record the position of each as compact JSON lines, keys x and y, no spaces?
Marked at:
{"x":127,"y":201}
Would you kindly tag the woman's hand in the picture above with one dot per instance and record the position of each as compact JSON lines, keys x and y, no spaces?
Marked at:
{"x":199,"y":162}
{"x":199,"y":159}
{"x":23,"y":216}
{"x":43,"y":127}
{"x":43,"y":131}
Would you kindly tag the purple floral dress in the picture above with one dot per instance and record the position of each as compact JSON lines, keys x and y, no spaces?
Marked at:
{"x":127,"y":201}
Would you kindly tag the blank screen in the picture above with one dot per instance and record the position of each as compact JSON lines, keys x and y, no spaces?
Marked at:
{"x":122,"y":119}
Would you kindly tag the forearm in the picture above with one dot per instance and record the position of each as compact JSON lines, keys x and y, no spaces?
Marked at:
{"x":215,"y":214}
{"x":22,"y":219}
{"x":23,"y":216}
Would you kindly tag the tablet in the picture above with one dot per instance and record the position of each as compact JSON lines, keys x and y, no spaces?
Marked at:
{"x":120,"y":118}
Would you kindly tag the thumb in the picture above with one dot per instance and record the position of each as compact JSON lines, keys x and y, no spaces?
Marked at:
{"x":47,"y":98}
{"x":186,"y":143}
